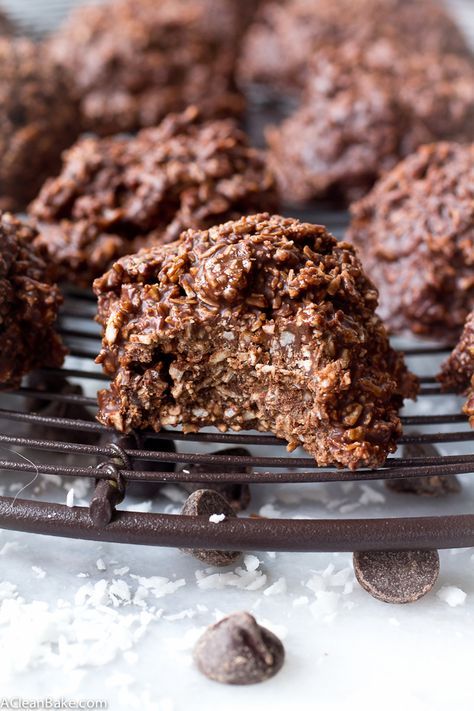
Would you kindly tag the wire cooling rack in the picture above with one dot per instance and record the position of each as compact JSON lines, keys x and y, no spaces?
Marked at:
{"x":118,"y":461}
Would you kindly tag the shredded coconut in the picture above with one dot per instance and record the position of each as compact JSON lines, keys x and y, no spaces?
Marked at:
{"x":452,"y":595}
{"x":277,"y":588}
{"x":251,"y":562}
{"x":217,"y":518}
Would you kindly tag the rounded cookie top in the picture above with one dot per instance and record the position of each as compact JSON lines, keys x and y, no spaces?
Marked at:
{"x":167,"y":55}
{"x":118,"y":194}
{"x":415,"y":232}
{"x":297,"y":29}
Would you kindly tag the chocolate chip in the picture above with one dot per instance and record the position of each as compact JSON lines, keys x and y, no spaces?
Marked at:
{"x":434,"y":486}
{"x":206,"y":502}
{"x":237,"y":650}
{"x":238,"y":495}
{"x":397,"y":576}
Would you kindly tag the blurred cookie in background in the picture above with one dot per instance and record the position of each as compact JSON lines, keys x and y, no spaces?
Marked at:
{"x":135,"y":61}
{"x":279,"y":46}
{"x":415,"y":235}
{"x":38,"y":119}
{"x":364,"y":109}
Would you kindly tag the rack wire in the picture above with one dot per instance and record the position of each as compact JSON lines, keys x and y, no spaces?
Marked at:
{"x":118,"y":461}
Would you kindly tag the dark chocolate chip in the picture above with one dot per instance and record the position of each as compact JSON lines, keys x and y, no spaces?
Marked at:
{"x":206,"y":502}
{"x":397,"y":576}
{"x":238,"y":495}
{"x":434,"y":486}
{"x":237,"y":650}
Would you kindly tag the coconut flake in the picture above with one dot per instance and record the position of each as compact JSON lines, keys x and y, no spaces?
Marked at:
{"x":70,"y":498}
{"x":251,"y":562}
{"x":119,"y":592}
{"x":452,"y":595}
{"x":277,"y":588}
{"x":217,"y":518}
{"x":159,"y":586}
{"x":122,"y":571}
{"x":39,"y":572}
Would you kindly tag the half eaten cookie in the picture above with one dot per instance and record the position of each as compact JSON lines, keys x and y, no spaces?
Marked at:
{"x":264,"y":323}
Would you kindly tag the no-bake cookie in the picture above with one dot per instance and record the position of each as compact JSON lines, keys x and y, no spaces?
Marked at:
{"x":265,"y":323}
{"x":415,"y":235}
{"x":285,"y":36}
{"x":117,"y":194}
{"x":458,"y":371}
{"x":38,"y":119}
{"x":29,"y":302}
{"x":363,"y":110}
{"x":6,"y":27}
{"x":135,"y":61}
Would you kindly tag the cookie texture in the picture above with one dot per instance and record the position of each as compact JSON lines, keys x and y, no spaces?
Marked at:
{"x":166,"y":56}
{"x":38,"y":119}
{"x":364,"y":109}
{"x":415,"y":234}
{"x":118,"y":194}
{"x":295,"y":30}
{"x":265,"y":323}
{"x":458,"y":371}
{"x":29,"y":302}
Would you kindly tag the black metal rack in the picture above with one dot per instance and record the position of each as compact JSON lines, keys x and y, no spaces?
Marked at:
{"x":122,"y":462}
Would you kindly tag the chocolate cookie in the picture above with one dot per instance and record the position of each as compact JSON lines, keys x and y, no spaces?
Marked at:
{"x":363,"y":110}
{"x":38,"y":119}
{"x":285,"y":36}
{"x":135,"y":61}
{"x":266,"y":323}
{"x":458,"y":371}
{"x":6,"y":27}
{"x":118,"y":194}
{"x":29,"y":302}
{"x":415,"y":233}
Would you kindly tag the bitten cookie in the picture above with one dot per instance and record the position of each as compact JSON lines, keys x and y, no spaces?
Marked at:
{"x":29,"y":302}
{"x":415,"y":235}
{"x":118,"y":194}
{"x":458,"y":371}
{"x":266,"y":323}
{"x":164,"y":57}
{"x":38,"y":119}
